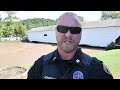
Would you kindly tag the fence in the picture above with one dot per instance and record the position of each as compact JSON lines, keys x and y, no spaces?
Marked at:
{"x":10,"y":39}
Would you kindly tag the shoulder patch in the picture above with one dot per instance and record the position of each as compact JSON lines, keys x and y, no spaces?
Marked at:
{"x":78,"y":75}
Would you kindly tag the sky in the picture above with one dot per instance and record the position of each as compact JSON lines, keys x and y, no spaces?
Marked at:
{"x":88,"y":15}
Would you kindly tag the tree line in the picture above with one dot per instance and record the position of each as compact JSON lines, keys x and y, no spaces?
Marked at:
{"x":40,"y":22}
{"x":37,"y":22}
{"x":13,"y":26}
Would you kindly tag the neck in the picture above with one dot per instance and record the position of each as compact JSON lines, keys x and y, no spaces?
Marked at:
{"x":66,"y":56}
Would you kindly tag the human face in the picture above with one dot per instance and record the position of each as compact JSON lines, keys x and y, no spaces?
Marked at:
{"x":68,"y":41}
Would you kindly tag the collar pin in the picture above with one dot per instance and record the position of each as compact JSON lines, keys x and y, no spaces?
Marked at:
{"x":78,"y":61}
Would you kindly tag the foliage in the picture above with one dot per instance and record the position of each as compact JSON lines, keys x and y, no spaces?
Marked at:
{"x":19,"y":30}
{"x":37,"y":22}
{"x":10,"y":27}
{"x":110,"y":46}
{"x":81,"y":18}
{"x":2,"y":26}
{"x":110,"y":15}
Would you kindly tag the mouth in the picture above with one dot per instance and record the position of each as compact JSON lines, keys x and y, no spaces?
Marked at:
{"x":68,"y":42}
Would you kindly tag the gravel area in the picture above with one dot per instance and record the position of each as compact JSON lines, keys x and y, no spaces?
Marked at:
{"x":11,"y":72}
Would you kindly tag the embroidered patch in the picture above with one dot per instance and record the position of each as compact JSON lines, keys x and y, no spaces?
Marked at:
{"x":78,"y":75}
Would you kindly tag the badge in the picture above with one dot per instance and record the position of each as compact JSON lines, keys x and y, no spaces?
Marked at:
{"x":78,"y":75}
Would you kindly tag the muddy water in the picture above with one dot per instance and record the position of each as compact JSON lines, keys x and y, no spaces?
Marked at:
{"x":19,"y":53}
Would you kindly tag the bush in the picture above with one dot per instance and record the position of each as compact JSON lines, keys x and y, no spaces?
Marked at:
{"x":110,"y":46}
{"x":25,"y":39}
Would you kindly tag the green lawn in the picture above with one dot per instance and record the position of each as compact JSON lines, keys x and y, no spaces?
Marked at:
{"x":111,"y":59}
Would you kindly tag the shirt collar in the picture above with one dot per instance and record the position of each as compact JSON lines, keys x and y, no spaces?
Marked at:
{"x":74,"y":60}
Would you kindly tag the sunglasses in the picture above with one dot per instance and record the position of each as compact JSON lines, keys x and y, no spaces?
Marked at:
{"x":64,"y":29}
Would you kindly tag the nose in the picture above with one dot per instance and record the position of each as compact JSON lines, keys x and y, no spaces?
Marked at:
{"x":68,"y":34}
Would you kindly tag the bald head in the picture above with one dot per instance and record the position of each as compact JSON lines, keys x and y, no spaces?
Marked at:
{"x":69,"y":19}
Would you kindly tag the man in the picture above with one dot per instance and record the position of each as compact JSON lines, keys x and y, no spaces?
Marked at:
{"x":68,"y":61}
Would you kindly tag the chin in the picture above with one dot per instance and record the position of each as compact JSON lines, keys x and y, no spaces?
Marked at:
{"x":68,"y":50}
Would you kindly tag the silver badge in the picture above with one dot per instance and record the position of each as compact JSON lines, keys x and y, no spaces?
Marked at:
{"x":78,"y":75}
{"x":78,"y":61}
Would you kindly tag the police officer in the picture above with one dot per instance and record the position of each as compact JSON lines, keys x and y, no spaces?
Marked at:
{"x":68,"y":61}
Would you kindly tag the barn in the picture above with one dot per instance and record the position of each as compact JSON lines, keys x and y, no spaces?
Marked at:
{"x":42,"y":34}
{"x":94,"y":33}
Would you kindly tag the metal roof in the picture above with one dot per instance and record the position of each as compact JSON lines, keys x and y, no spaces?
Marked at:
{"x":86,"y":25}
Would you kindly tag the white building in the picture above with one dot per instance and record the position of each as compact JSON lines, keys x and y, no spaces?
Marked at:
{"x":94,"y":33}
{"x":42,"y":34}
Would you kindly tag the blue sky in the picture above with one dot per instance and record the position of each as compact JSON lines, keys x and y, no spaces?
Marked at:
{"x":88,"y":15}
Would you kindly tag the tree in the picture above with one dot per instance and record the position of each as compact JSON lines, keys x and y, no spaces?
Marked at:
{"x":2,"y":27}
{"x":10,"y":20}
{"x":37,"y":22}
{"x":10,"y":16}
{"x":12,"y":26}
{"x":81,"y":18}
{"x":110,"y":15}
{"x":0,"y":18}
{"x":19,"y":30}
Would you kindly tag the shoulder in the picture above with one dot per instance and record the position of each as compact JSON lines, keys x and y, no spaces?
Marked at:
{"x":47,"y":56}
{"x":86,"y":59}
{"x":96,"y":61}
{"x":36,"y":69}
{"x":44,"y":58}
{"x":99,"y":69}
{"x":97,"y":64}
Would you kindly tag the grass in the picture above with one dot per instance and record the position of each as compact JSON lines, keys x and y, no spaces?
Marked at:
{"x":111,"y":59}
{"x":26,"y":66}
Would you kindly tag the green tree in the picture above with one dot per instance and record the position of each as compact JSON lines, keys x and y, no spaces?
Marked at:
{"x":37,"y":22}
{"x":0,"y":18}
{"x":2,"y":27}
{"x":19,"y":30}
{"x":10,"y":16}
{"x":10,"y":20}
{"x":110,"y":15}
{"x":12,"y":26}
{"x":81,"y":18}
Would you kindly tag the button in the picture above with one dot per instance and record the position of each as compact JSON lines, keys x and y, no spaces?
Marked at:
{"x":78,"y":61}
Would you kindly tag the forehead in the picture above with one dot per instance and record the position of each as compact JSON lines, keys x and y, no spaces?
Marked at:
{"x":69,"y":20}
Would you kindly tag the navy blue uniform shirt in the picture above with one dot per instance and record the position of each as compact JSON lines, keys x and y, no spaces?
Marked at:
{"x":82,"y":66}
